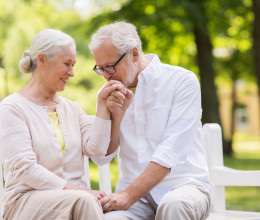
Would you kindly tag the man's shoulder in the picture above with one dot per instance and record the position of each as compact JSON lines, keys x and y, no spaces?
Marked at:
{"x":175,"y":69}
{"x":171,"y":72}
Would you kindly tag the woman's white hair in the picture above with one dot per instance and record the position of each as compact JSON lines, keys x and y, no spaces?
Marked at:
{"x":123,"y":35}
{"x":48,"y":41}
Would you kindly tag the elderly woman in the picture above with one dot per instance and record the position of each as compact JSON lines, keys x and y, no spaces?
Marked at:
{"x":44,"y":137}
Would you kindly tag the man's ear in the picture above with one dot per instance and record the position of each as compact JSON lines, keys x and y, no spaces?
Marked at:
{"x":41,"y":58}
{"x":135,"y":54}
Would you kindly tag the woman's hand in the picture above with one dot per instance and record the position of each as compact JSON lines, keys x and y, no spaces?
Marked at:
{"x":96,"y":193}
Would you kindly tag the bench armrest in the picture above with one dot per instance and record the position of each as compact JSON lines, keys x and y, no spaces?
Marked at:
{"x":225,"y":176}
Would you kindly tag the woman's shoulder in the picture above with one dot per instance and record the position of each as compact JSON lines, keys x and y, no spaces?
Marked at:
{"x":12,"y":104}
{"x":13,"y":99}
{"x":67,"y":103}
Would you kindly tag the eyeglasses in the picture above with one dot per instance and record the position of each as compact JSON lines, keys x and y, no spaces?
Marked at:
{"x":109,"y":69}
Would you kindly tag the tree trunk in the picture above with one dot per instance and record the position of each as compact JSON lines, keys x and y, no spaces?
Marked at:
{"x":210,"y":104}
{"x":256,"y":44}
{"x":229,"y":142}
{"x":204,"y":59}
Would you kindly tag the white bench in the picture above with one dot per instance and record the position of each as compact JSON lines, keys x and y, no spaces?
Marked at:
{"x":221,"y":176}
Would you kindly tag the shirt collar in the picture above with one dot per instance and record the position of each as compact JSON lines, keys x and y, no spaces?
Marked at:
{"x":151,"y":69}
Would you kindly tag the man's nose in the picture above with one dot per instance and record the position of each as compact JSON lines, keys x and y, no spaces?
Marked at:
{"x":107,"y":76}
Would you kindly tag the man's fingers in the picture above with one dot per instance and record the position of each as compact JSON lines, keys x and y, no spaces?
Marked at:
{"x":104,"y":200}
{"x":115,"y":99}
{"x":118,"y":94}
{"x":106,"y":207}
{"x":129,"y":93}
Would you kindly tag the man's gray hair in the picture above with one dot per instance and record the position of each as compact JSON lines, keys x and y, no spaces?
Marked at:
{"x":123,"y":35}
{"x":48,"y":41}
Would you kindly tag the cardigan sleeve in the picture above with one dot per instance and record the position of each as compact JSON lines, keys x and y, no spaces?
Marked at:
{"x":20,"y":161}
{"x":95,"y":136}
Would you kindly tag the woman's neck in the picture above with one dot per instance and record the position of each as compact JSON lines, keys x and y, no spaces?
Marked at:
{"x":37,"y":93}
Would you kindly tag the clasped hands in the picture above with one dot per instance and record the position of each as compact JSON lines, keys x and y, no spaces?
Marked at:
{"x":113,"y":100}
{"x":116,"y":201}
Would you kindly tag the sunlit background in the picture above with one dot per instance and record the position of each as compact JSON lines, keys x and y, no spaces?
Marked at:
{"x":219,"y":40}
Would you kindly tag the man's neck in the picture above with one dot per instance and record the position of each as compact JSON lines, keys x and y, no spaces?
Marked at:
{"x":144,"y":62}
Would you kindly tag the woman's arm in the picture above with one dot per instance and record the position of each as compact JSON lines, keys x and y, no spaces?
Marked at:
{"x":20,"y":161}
{"x":117,"y":104}
{"x":113,"y":99}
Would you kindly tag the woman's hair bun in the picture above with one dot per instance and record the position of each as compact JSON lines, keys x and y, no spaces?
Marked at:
{"x":25,"y":63}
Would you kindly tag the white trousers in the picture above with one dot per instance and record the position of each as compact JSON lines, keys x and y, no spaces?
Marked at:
{"x":55,"y":205}
{"x":187,"y":202}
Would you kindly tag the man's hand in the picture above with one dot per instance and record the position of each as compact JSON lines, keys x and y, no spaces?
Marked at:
{"x":116,"y":201}
{"x":96,"y":193}
{"x":119,"y":101}
{"x":102,"y":109}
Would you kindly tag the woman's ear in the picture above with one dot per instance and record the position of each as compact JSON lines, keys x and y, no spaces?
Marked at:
{"x":41,"y":58}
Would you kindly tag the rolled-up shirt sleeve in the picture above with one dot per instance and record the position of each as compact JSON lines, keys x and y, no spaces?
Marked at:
{"x":16,"y":148}
{"x":185,"y":115}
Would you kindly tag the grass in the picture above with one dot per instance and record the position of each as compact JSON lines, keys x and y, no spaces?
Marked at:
{"x":246,"y":156}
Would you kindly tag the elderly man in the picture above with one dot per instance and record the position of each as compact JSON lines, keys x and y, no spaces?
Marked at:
{"x":162,"y":165}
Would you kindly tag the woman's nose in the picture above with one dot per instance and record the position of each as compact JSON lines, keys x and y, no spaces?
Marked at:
{"x":71,"y":73}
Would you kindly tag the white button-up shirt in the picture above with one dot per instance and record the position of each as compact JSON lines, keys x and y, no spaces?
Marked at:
{"x":162,"y":124}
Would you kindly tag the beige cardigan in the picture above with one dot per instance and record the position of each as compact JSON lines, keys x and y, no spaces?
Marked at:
{"x":30,"y":150}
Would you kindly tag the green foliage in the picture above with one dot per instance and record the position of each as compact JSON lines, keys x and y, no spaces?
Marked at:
{"x":21,"y":20}
{"x":164,"y":26}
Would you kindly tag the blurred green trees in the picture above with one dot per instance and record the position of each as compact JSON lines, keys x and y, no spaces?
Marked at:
{"x":212,"y":38}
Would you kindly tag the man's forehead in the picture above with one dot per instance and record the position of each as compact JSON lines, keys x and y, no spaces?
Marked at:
{"x":107,"y":46}
{"x":105,"y":53}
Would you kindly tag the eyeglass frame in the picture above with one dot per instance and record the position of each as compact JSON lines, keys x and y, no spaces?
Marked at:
{"x":98,"y":70}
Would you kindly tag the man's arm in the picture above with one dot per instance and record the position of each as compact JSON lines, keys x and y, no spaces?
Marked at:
{"x":152,"y":175}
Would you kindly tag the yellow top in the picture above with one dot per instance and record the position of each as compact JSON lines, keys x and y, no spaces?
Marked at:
{"x":56,"y":125}
{"x":133,"y":89}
